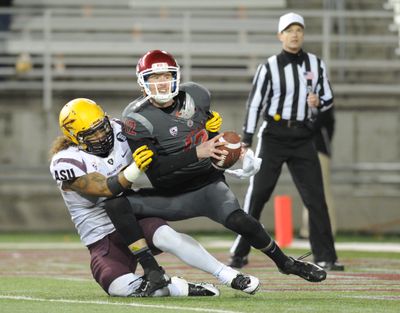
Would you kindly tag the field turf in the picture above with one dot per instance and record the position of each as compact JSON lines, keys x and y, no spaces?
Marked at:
{"x":50,"y":273}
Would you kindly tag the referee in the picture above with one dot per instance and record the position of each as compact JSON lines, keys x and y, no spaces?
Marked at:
{"x":287,"y":93}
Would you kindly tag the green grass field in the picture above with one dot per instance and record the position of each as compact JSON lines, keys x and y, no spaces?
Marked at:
{"x":50,"y":273}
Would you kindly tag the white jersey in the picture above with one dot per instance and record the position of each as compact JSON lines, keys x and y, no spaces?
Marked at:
{"x":87,"y":212}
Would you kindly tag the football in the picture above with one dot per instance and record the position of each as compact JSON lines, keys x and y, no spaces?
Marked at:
{"x":233,"y":146}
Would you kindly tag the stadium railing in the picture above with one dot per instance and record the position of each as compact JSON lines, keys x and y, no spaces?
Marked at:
{"x":355,"y":174}
{"x":75,"y":49}
{"x":394,"y":5}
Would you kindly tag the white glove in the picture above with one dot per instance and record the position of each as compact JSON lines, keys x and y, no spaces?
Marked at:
{"x":251,"y":165}
{"x":132,"y":172}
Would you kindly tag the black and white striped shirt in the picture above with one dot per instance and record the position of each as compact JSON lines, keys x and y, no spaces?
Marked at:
{"x":280,"y":87}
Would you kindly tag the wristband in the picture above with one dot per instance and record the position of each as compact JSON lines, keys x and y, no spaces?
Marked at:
{"x":114,"y":185}
{"x":131,"y":173}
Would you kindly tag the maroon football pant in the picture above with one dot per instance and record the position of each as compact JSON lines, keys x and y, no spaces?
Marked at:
{"x":111,"y":258}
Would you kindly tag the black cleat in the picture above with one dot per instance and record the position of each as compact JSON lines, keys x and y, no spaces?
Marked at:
{"x":331,"y":266}
{"x":303,"y":269}
{"x":238,"y":261}
{"x":246,"y":283}
{"x":202,"y":290}
{"x":152,"y":281}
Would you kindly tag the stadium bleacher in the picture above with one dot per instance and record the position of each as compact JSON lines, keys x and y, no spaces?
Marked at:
{"x":58,"y":49}
{"x":99,"y":42}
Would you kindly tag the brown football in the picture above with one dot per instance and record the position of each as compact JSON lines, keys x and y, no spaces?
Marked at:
{"x":233,"y":146}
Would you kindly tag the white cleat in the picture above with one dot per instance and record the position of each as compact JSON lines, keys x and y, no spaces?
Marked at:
{"x":185,"y":288}
{"x":202,"y":290}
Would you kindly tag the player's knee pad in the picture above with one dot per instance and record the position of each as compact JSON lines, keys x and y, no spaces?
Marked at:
{"x":250,"y":228}
{"x":124,"y":286}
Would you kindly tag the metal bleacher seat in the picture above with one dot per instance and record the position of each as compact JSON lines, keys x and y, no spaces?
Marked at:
{"x":97,"y":48}
{"x":394,"y":5}
{"x":218,"y":43}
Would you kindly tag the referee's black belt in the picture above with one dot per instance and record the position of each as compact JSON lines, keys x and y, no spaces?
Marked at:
{"x":286,"y":123}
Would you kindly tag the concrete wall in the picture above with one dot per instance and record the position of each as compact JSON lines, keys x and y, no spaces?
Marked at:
{"x":30,"y":200}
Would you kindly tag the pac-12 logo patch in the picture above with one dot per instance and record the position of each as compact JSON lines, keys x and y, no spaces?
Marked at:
{"x":173,"y":131}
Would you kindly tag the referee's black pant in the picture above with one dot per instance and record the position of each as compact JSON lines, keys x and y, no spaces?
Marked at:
{"x":292,"y":145}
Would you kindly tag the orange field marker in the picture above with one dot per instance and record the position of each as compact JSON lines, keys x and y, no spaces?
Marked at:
{"x":283,"y":220}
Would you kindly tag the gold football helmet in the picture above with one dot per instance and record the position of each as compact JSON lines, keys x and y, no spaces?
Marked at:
{"x":85,"y":123}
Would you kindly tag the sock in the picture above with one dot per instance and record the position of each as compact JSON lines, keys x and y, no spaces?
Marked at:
{"x":146,"y":260}
{"x":226,"y":275}
{"x":276,"y":254}
{"x":178,"y":287}
{"x":187,"y":249}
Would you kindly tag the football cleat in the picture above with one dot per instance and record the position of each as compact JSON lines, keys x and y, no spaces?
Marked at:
{"x":238,"y":261}
{"x":331,"y":266}
{"x":142,"y":290}
{"x":246,"y":283}
{"x":152,"y":281}
{"x":202,"y":290}
{"x":303,"y":269}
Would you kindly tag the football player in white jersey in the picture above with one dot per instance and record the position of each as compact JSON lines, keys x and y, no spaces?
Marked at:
{"x":93,"y":161}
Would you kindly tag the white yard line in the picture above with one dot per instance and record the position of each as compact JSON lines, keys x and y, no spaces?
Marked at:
{"x":164,"y":307}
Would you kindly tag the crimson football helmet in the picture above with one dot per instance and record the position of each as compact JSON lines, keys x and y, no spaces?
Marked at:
{"x":154,"y":62}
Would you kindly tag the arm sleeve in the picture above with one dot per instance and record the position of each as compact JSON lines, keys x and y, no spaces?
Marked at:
{"x":254,"y":103}
{"x":324,"y":88}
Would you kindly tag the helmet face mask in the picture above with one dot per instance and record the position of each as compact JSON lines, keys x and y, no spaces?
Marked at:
{"x":85,"y":124}
{"x":158,"y":62}
{"x":98,"y":140}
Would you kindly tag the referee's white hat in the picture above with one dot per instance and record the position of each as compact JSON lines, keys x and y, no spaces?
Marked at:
{"x":289,"y":19}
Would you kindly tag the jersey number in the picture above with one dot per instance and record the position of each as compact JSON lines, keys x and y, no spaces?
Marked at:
{"x":194,"y":139}
{"x":65,"y":174}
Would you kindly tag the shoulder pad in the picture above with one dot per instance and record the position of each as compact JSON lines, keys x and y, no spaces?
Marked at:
{"x":67,"y":165}
{"x":135,"y":105}
{"x":199,"y":93}
{"x":116,"y":123}
{"x":137,"y":126}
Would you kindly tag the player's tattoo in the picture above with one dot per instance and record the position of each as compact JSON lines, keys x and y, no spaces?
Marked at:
{"x":91,"y":183}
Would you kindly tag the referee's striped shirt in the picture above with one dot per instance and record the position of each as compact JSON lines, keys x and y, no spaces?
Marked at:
{"x":280,"y":86}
